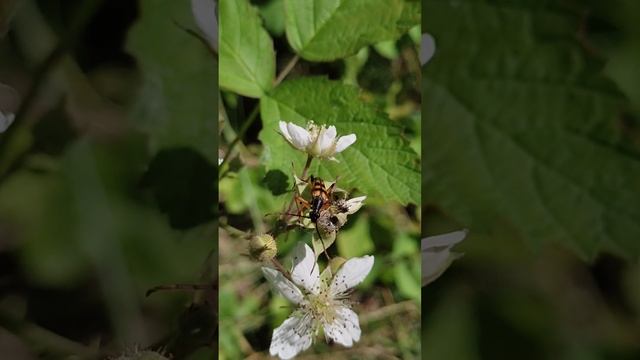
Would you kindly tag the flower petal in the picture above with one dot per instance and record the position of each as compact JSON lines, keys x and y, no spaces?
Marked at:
{"x":344,"y":142}
{"x":300,"y":137}
{"x":205,"y":13}
{"x":284,"y":131}
{"x":354,"y":204}
{"x":351,"y":274}
{"x":427,"y":48}
{"x":306,"y":272}
{"x":293,"y":336}
{"x":326,"y":141}
{"x":434,"y":263}
{"x":5,"y":121}
{"x":444,"y":240}
{"x":345,"y":329}
{"x":283,"y":285}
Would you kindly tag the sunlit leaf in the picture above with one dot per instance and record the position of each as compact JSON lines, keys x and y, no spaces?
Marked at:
{"x":246,"y":50}
{"x":379,"y":164}
{"x":325,"y":30}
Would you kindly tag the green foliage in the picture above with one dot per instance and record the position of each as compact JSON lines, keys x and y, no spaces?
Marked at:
{"x":355,"y":241}
{"x":76,"y":218}
{"x":380,"y":163}
{"x":257,"y":181}
{"x":246,"y":50}
{"x":183,"y":183}
{"x":273,"y":14}
{"x":523,"y":130}
{"x":326,"y":30}
{"x":451,"y":330}
{"x":172,"y":61}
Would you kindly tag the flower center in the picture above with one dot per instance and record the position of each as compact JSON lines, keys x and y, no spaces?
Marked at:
{"x":322,"y":306}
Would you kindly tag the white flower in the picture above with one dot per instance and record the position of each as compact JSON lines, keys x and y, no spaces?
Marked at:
{"x":5,"y":121}
{"x":318,"y":141}
{"x":205,"y":13}
{"x":436,"y":254}
{"x":320,"y":304}
{"x":353,"y":205}
{"x":427,"y":48}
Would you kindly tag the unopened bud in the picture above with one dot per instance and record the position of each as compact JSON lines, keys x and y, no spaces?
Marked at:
{"x":262,"y":247}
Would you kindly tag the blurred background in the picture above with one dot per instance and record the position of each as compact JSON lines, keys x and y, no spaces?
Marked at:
{"x":107,"y":180}
{"x":531,"y":142}
{"x":388,"y":302}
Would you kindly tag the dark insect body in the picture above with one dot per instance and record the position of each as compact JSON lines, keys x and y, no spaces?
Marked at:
{"x":321,"y":201}
{"x":320,"y":198}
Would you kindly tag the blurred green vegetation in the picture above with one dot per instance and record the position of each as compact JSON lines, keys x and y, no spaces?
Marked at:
{"x":107,"y":182}
{"x":531,"y":121}
{"x":374,"y":94}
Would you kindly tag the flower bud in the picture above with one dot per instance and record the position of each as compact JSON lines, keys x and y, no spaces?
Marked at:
{"x":262,"y":247}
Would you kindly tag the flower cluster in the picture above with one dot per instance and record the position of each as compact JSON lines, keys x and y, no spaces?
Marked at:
{"x":321,"y":297}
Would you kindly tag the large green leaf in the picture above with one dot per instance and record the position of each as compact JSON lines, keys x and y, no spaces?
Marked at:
{"x":177,"y":103}
{"x":380,"y":163}
{"x":523,"y":131}
{"x":247,"y":59}
{"x":325,"y":30}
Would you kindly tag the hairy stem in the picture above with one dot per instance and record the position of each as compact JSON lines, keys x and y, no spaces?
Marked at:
{"x":281,"y":268}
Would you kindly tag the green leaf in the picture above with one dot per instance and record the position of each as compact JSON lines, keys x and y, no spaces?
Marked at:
{"x":325,"y":30}
{"x":523,"y":130}
{"x":355,"y":241}
{"x":450,"y":328}
{"x":273,"y":14}
{"x":177,"y":104}
{"x":247,"y":58}
{"x":380,"y":163}
{"x":623,"y":69}
{"x":408,"y":284}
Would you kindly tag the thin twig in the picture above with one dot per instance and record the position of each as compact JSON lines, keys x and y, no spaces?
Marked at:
{"x":281,"y":268}
{"x":179,"y":287}
{"x":307,"y":165}
{"x":243,"y":130}
{"x":287,"y":69}
{"x":247,"y":124}
{"x":39,"y":79}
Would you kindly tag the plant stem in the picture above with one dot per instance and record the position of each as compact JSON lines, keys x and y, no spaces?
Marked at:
{"x":245,"y":127}
{"x":281,"y":268}
{"x":287,"y":69}
{"x":39,"y":80}
{"x":307,"y":165}
{"x":180,"y":287}
{"x":283,"y":74}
